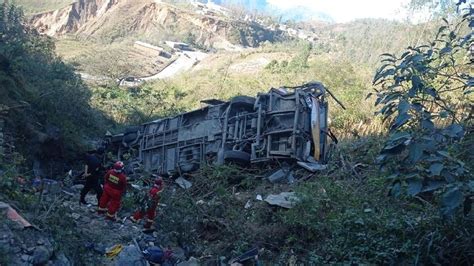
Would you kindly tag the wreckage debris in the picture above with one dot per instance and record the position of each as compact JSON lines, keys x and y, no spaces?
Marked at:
{"x":13,"y":215}
{"x":130,"y":255}
{"x":284,"y":175}
{"x":250,"y":254}
{"x":155,"y":254}
{"x":312,"y":167}
{"x":113,"y":251}
{"x":183,"y":183}
{"x":285,"y":199}
{"x":248,"y":204}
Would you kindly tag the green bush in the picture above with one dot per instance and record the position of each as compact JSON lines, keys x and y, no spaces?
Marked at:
{"x":424,"y":94}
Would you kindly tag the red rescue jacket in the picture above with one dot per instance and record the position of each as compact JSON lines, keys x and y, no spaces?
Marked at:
{"x":116,"y":181}
{"x":155,"y":193}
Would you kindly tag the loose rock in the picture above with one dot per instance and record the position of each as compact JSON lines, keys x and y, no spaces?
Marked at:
{"x":41,"y":255}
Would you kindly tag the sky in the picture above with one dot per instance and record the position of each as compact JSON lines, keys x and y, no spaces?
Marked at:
{"x":347,"y":10}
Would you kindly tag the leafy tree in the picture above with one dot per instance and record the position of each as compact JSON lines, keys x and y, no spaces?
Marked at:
{"x":51,"y":95}
{"x":437,"y":7}
{"x":425,"y":94}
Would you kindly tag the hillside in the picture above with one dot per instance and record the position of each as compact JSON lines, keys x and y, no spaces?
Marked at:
{"x":91,"y":32}
{"x":112,"y":20}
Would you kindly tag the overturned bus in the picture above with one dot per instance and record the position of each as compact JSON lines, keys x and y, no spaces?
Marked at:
{"x":288,"y":123}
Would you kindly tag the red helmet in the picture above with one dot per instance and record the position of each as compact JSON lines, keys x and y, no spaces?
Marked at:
{"x":118,"y":166}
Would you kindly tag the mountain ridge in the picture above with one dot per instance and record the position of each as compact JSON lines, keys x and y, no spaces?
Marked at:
{"x":112,"y":19}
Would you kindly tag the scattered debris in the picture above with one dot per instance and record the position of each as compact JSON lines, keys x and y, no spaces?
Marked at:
{"x":312,"y":167}
{"x":283,"y":175}
{"x":113,"y":251}
{"x":155,"y":254}
{"x":251,"y":254}
{"x":285,"y":199}
{"x":277,"y":176}
{"x":291,"y":178}
{"x":130,"y":255}
{"x":183,"y":183}
{"x":248,"y":205}
{"x":13,"y":215}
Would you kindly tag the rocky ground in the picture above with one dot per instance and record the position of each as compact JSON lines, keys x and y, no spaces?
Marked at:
{"x":33,"y":246}
{"x":20,"y":246}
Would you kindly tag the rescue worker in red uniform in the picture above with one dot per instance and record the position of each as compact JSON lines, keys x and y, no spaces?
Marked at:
{"x":115,"y":183}
{"x":149,"y":203}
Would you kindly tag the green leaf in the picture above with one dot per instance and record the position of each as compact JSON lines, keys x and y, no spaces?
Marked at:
{"x":395,"y":189}
{"x":403,"y":106}
{"x":451,"y":200}
{"x":416,"y":82}
{"x":415,"y":152}
{"x":387,"y":54}
{"x":417,"y":58}
{"x":378,"y":74}
{"x":427,"y":124}
{"x":442,"y":28}
{"x":446,"y":50}
{"x":401,"y":120}
{"x":414,"y":186}
{"x":392,"y":60}
{"x":454,"y":131}
{"x":392,"y":176}
{"x":433,"y":185}
{"x":431,"y":91}
{"x":436,"y":168}
{"x":444,"y":153}
{"x":393,"y":148}
{"x":399,"y":136}
{"x":405,"y":54}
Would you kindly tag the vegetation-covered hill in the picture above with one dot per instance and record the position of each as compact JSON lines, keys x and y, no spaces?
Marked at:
{"x":32,"y":79}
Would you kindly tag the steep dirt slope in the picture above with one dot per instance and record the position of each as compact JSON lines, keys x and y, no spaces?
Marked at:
{"x":72,"y":17}
{"x":109,"y":20}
